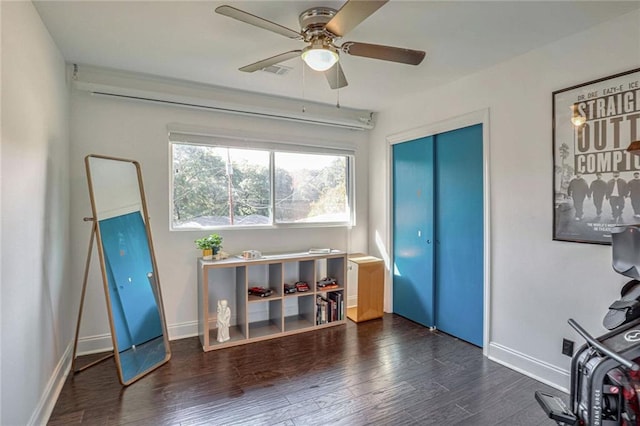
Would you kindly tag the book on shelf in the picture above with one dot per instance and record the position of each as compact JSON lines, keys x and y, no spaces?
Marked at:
{"x":331,"y":310}
{"x":338,"y":302}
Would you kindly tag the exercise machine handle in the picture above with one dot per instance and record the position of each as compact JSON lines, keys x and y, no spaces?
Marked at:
{"x":599,"y":346}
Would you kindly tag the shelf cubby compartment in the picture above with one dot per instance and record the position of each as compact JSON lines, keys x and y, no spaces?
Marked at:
{"x":331,"y":267}
{"x":298,"y":271}
{"x":299,"y":312}
{"x":265,"y":317}
{"x":224,"y":284}
{"x":330,"y":307}
{"x":267,"y":275}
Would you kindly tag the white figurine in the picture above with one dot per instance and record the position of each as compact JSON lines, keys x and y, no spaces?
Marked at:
{"x":224,"y":316}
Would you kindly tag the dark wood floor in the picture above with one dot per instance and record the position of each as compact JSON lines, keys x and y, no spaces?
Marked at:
{"x":381,"y":372}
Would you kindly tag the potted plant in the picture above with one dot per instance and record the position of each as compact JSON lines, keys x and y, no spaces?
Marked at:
{"x":209,"y":245}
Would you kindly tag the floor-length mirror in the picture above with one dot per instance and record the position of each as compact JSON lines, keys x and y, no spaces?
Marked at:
{"x":128,"y":266}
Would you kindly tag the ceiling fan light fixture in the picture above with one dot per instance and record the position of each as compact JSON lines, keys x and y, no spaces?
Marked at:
{"x":320,"y":58}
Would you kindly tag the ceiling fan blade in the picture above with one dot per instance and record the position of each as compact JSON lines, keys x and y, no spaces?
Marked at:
{"x":386,"y":53}
{"x":336,"y":77}
{"x":351,"y":14}
{"x":257,"y":21}
{"x":257,"y":66}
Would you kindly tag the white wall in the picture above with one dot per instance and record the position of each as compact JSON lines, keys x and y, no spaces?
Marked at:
{"x":37,"y":321}
{"x":138,"y":131}
{"x":537,"y":283}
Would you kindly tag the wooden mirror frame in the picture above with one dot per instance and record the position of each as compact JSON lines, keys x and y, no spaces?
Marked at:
{"x":125,"y":379}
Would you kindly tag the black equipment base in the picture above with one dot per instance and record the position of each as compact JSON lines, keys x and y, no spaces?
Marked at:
{"x":605,"y":381}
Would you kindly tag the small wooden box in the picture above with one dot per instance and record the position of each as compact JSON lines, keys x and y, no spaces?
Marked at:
{"x":367,"y":273}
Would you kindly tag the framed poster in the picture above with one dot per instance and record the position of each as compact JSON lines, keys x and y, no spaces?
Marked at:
{"x":596,"y":182}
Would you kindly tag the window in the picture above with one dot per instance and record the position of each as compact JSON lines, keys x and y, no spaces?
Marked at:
{"x":311,"y":188}
{"x":215,"y":186}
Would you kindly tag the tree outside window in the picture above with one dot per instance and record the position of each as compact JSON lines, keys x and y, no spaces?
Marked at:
{"x":218,"y":186}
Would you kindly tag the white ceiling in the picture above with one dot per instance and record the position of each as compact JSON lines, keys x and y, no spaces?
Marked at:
{"x":187,"y":40}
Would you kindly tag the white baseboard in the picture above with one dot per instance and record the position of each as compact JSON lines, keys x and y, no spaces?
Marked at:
{"x":94,"y":344}
{"x":183,"y":330}
{"x":541,"y":371}
{"x":51,"y":392}
{"x":102,"y":342}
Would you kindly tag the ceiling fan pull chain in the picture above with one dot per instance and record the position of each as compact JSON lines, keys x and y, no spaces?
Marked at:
{"x":303,"y":99}
{"x":338,"y":91}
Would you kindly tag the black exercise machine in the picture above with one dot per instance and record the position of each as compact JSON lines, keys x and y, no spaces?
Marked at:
{"x":605,"y":376}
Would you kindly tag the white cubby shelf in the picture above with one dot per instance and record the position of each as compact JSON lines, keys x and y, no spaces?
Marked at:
{"x":255,"y":318}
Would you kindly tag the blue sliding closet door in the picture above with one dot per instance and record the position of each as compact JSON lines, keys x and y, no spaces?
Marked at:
{"x":459,"y":229}
{"x":438,"y":228}
{"x":412,"y":228}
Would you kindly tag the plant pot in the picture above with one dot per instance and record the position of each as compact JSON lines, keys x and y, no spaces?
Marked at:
{"x":207,"y":254}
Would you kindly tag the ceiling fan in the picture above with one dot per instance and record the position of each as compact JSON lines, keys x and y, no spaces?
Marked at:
{"x":321,"y":27}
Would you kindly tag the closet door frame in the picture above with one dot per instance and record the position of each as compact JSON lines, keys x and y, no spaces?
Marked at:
{"x":454,"y":123}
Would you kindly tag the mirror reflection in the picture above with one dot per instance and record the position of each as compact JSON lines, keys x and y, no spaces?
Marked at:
{"x":128,"y":266}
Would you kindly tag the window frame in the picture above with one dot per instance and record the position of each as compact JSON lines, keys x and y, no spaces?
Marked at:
{"x":180,"y":138}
